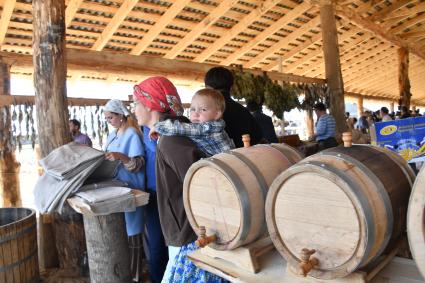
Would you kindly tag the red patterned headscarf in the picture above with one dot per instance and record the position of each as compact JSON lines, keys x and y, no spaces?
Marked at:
{"x":159,"y":94}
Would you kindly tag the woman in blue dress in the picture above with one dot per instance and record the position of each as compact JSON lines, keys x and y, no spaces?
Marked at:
{"x":125,"y":145}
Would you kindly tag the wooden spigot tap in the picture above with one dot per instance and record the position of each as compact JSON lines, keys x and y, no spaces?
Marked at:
{"x":203,"y":240}
{"x":307,"y":262}
{"x":347,"y":138}
{"x":246,"y":139}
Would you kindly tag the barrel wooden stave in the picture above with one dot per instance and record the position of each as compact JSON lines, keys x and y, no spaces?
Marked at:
{"x":416,"y":221}
{"x":18,"y":246}
{"x":226,"y":193}
{"x":382,"y":187}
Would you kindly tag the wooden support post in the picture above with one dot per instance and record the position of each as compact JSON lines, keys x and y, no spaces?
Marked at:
{"x":52,"y":115}
{"x":50,"y":74}
{"x":9,"y":167}
{"x":332,"y":64}
{"x":280,"y":69}
{"x":391,"y":107}
{"x":107,"y":264}
{"x":359,"y":106}
{"x":309,"y":123}
{"x":403,"y":77}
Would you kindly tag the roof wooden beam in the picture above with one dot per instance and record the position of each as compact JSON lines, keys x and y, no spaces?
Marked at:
{"x":159,"y":26}
{"x":236,"y":29}
{"x":316,"y":39}
{"x":379,"y":16}
{"x":357,"y":71}
{"x":408,"y":24}
{"x":125,"y":8}
{"x":376,"y":78}
{"x":71,"y":11}
{"x":200,"y":28}
{"x":351,"y":15}
{"x":281,"y":23}
{"x":125,"y":65}
{"x":351,"y":53}
{"x":6,"y":14}
{"x":284,"y":43}
{"x":317,"y":52}
{"x":368,"y":97}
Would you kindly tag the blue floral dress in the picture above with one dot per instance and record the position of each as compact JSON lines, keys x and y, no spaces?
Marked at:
{"x":185,"y":271}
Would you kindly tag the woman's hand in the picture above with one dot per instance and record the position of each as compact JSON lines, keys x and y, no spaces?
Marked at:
{"x":112,"y":156}
{"x":153,"y":134}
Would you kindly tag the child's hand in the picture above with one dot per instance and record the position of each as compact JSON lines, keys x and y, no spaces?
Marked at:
{"x":153,"y":134}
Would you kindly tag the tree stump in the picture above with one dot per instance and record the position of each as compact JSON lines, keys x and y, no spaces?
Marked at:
{"x":107,"y":264}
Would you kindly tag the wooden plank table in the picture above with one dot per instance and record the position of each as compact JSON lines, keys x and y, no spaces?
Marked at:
{"x":399,"y":270}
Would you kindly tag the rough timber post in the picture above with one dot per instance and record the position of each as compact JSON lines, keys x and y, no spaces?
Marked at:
{"x":391,"y":107}
{"x":403,"y":77}
{"x":359,"y":106}
{"x":332,"y":64}
{"x":52,"y":115}
{"x":309,"y":122}
{"x":9,"y":167}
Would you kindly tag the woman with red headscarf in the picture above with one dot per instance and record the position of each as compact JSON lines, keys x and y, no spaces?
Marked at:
{"x":156,"y":99}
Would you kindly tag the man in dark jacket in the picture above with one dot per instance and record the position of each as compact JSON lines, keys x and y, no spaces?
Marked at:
{"x":264,"y":121}
{"x":238,"y":119}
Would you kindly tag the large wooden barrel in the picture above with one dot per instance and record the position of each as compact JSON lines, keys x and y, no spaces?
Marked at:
{"x":18,"y":246}
{"x":349,"y":204}
{"x":416,"y":221}
{"x":226,"y":192}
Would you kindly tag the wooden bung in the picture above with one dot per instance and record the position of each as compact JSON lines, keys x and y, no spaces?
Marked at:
{"x":246,"y":139}
{"x":347,"y":138}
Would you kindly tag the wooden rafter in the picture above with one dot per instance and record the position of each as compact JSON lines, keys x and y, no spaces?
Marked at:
{"x":358,"y":70}
{"x":314,"y":53}
{"x":159,"y":26}
{"x":410,"y":23}
{"x":236,"y":29}
{"x":379,"y":16}
{"x":114,"y":24}
{"x":71,"y":11}
{"x":284,"y":43}
{"x":281,"y":23}
{"x":376,"y":78}
{"x":315,"y":39}
{"x":365,"y":24}
{"x":200,"y":28}
{"x":350,"y":55}
{"x":6,"y":14}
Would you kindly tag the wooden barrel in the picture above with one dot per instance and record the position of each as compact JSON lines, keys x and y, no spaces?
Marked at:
{"x":416,"y":221}
{"x":18,"y":246}
{"x":226,"y":192}
{"x":349,"y":204}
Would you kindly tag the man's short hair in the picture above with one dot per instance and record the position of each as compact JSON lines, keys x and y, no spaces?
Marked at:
{"x":219,"y":78}
{"x":384,"y":110}
{"x":215,"y":96}
{"x":319,"y":106}
{"x":76,"y":123}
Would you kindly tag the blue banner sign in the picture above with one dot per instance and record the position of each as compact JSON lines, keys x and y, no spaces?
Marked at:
{"x":405,"y":136}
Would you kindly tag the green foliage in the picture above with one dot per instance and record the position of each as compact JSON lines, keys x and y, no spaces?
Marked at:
{"x":314,"y":93}
{"x":244,"y":86}
{"x":279,"y":98}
